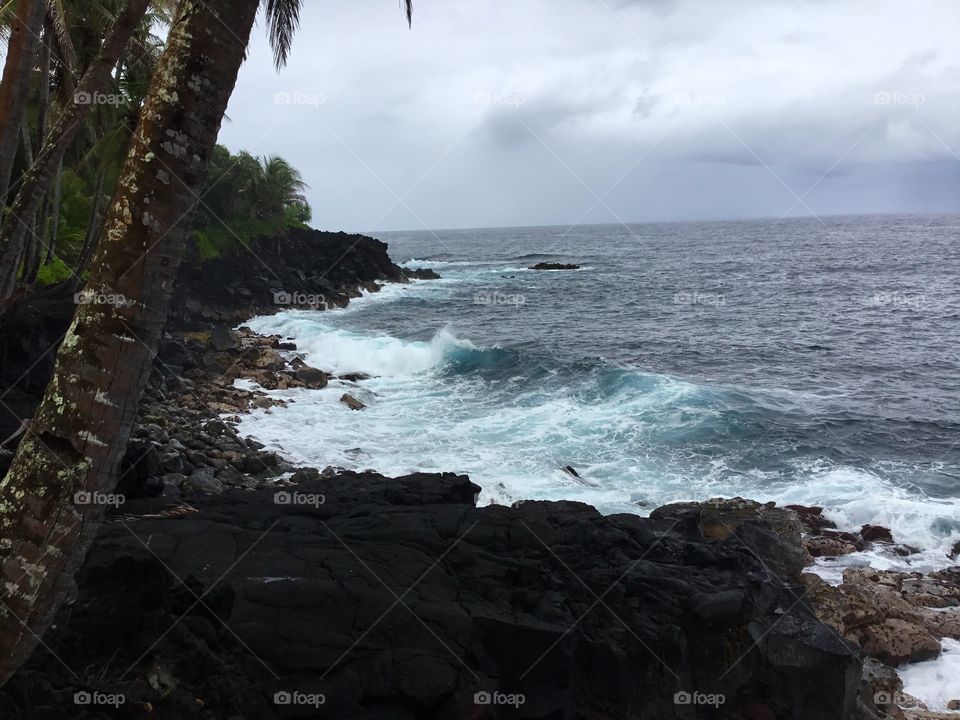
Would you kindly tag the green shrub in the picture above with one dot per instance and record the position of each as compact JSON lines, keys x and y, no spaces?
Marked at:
{"x":53,"y":272}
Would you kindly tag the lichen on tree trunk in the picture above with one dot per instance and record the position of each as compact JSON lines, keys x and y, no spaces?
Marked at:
{"x":81,"y":429}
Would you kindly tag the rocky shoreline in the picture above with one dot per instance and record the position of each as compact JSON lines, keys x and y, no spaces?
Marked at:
{"x":230,"y":584}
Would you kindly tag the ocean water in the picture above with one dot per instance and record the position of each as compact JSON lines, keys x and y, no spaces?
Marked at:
{"x":802,"y":361}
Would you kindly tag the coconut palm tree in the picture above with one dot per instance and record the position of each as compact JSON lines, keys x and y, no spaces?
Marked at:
{"x":81,"y":429}
{"x":25,"y":27}
{"x":17,"y":238}
{"x":275,"y":186}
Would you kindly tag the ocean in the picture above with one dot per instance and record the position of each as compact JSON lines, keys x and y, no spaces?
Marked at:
{"x":812,"y":361}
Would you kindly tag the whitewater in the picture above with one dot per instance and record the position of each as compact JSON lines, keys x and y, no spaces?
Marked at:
{"x":801,"y":362}
{"x":466,"y":375}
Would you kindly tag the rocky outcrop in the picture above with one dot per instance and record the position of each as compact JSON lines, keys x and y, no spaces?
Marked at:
{"x":895,"y":617}
{"x":554,"y":266}
{"x":359,"y":596}
{"x":771,"y":534}
{"x":307,"y":269}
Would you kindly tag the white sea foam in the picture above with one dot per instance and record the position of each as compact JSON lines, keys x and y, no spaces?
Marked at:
{"x":515,"y":440}
{"x":935,"y":682}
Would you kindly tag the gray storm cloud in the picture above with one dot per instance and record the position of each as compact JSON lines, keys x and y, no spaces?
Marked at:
{"x":527,"y":113}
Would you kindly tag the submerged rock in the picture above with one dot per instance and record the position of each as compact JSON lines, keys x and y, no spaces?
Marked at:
{"x":554,"y":266}
{"x":351,"y":402}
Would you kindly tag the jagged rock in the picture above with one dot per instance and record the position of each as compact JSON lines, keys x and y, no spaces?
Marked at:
{"x":351,"y":402}
{"x":261,"y":462}
{"x":420,"y":274}
{"x":890,"y":615}
{"x":772,"y":534}
{"x":876,"y":533}
{"x":494,"y":598}
{"x":880,"y":693}
{"x":354,"y":377}
{"x":896,"y":642}
{"x":304,"y":474}
{"x":223,"y":338}
{"x":828,"y":546}
{"x":203,"y":482}
{"x":312,"y":378}
{"x":811,"y":517}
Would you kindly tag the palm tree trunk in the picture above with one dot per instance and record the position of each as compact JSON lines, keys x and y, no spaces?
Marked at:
{"x":43,"y":98}
{"x":15,"y":84}
{"x":83,"y":424}
{"x":93,"y":231}
{"x":14,"y":233}
{"x":54,"y":215}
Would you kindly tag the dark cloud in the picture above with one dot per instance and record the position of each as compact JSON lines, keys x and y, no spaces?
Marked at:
{"x":524,"y":113}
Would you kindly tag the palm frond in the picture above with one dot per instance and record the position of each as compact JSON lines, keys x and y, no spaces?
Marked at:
{"x":283,"y":19}
{"x":59,"y":18}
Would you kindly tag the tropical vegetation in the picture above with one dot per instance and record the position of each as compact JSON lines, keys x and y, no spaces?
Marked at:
{"x":165,"y":133}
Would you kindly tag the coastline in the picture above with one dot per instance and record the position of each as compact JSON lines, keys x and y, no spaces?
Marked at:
{"x":715,"y":571}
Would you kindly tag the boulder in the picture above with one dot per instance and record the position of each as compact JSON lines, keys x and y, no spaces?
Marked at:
{"x":876,"y":533}
{"x":203,"y":482}
{"x":770,"y":533}
{"x":351,"y":402}
{"x":895,"y":642}
{"x":223,"y":338}
{"x":312,"y":378}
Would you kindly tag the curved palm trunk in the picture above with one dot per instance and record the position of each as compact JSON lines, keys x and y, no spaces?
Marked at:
{"x":15,"y":232}
{"x":83,"y":424}
{"x":15,"y":84}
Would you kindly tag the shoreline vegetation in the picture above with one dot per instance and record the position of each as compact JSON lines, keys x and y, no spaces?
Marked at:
{"x":156,"y":563}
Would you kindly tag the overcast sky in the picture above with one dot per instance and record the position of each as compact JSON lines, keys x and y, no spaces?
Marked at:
{"x":530,"y":112}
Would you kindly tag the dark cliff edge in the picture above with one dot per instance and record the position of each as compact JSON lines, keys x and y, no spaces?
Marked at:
{"x":230,"y":585}
{"x":308,"y":268}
